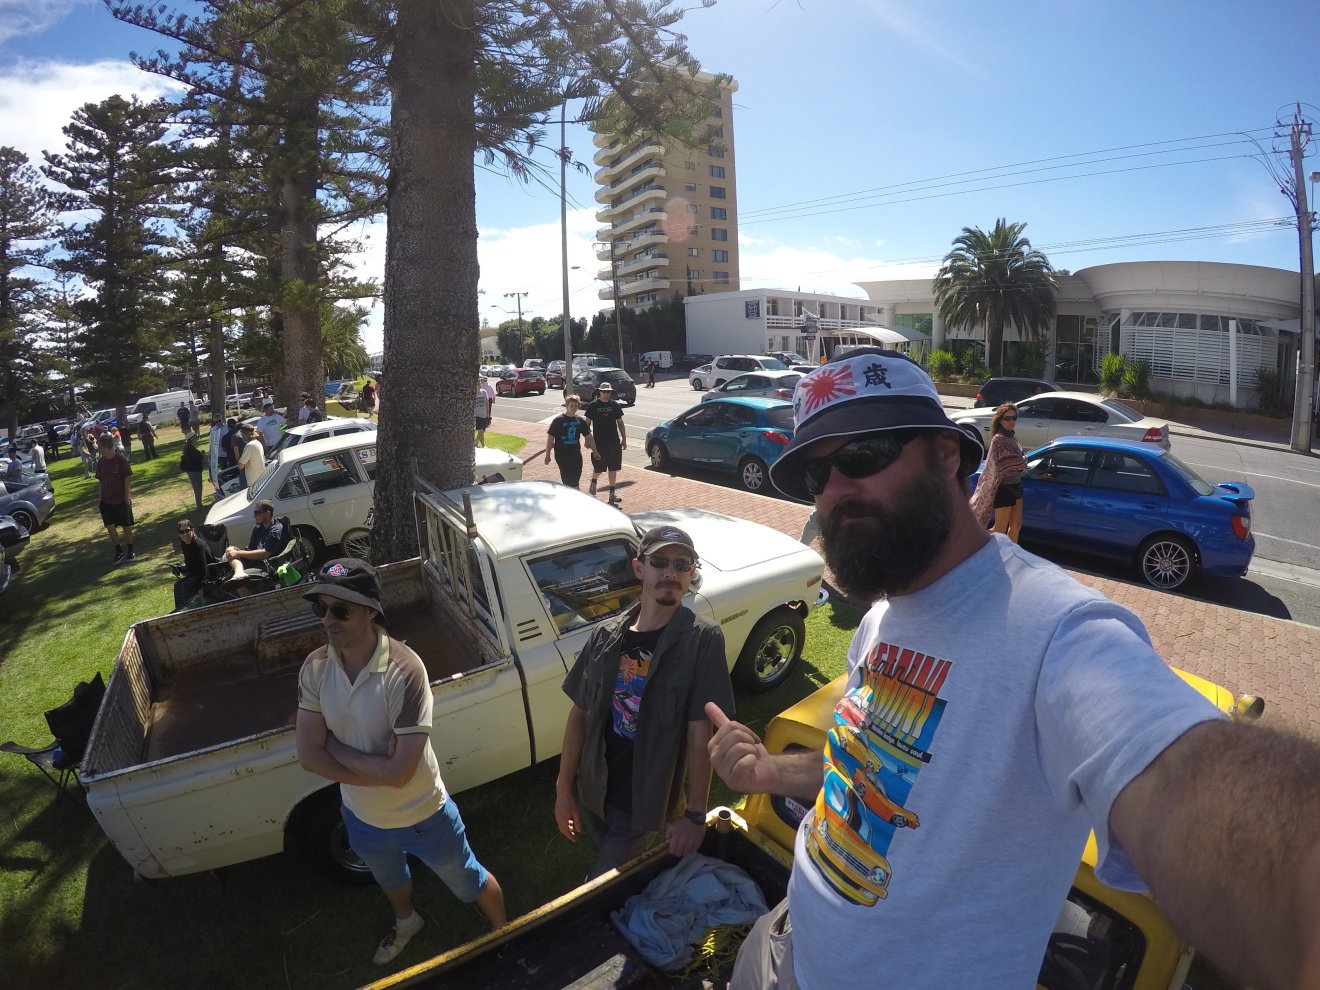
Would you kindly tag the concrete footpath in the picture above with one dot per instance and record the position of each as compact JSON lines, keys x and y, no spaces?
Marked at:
{"x":1247,"y":653}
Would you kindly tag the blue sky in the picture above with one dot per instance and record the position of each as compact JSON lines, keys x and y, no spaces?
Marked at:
{"x":840,"y":97}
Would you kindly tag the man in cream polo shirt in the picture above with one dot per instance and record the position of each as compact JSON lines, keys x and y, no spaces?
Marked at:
{"x":364,"y":719}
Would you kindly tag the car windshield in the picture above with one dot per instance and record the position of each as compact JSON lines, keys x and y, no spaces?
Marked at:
{"x":614,"y":376}
{"x":1118,"y":407}
{"x":1199,"y":484}
{"x":773,"y":364}
{"x":285,"y":441}
{"x":781,"y":417}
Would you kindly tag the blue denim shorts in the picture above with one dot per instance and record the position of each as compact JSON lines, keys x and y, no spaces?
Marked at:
{"x":440,"y":842}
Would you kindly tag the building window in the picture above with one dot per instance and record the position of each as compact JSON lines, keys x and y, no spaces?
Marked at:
{"x":717,"y":171}
{"x":719,"y":234}
{"x":690,"y":166}
{"x":721,"y":278}
{"x":689,"y":187}
{"x":694,"y":252}
{"x":692,"y":231}
{"x":718,"y":132}
{"x":715,"y":151}
{"x":694,"y":273}
{"x":719,"y":213}
{"x":717,"y":192}
{"x":718,"y":255}
{"x":692,"y":207}
{"x":717,"y":112}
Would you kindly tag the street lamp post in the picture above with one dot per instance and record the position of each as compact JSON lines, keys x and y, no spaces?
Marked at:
{"x":522,"y":341}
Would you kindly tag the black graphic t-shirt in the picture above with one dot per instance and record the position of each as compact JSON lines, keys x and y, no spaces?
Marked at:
{"x":635,"y":654}
{"x":567,"y":430}
{"x":604,"y":416}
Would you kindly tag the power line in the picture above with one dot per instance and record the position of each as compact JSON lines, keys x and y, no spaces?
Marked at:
{"x":999,"y":171}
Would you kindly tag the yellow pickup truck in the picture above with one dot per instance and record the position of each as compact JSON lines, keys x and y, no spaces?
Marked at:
{"x":1105,"y":939}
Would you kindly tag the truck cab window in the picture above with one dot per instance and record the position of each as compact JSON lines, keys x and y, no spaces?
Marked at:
{"x":586,"y":584}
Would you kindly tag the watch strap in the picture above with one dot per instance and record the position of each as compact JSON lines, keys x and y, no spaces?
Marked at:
{"x":696,"y":817}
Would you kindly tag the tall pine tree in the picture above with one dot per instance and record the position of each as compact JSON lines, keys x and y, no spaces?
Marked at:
{"x":118,"y":166}
{"x":28,"y":226}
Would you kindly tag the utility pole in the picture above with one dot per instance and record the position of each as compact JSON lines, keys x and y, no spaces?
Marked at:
{"x":522,"y":341}
{"x":1304,"y":400}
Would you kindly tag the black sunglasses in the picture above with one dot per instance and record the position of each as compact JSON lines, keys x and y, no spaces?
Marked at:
{"x":340,"y":612}
{"x":860,"y":458}
{"x":185,"y":529}
{"x":682,"y":564}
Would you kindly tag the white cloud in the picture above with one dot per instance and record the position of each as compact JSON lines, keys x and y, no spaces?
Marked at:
{"x":38,"y":98}
{"x":24,"y":17}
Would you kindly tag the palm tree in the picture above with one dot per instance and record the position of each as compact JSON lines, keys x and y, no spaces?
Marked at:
{"x":994,"y":279}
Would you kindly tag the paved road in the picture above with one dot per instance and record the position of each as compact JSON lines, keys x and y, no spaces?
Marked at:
{"x":1283,"y":581}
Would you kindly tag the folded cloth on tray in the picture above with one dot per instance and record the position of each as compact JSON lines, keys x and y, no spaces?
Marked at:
{"x":666,"y":920}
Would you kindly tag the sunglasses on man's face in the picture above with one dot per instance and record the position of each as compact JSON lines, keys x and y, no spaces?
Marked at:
{"x":340,"y":612}
{"x":680,"y":564}
{"x":184,"y":530}
{"x":860,"y":458}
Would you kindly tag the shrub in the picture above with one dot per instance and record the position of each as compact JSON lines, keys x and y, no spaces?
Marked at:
{"x":1269,"y":384}
{"x":941,"y":365}
{"x":1136,"y":379}
{"x":1111,"y":373}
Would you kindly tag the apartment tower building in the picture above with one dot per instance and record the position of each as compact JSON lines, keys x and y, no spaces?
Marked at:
{"x":669,"y":214}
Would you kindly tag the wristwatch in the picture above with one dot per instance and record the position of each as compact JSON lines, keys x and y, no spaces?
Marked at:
{"x":695,"y":817}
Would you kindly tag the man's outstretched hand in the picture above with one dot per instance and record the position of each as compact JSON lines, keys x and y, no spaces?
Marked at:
{"x":739,"y":757}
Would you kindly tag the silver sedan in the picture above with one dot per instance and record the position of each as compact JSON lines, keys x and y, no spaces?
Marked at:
{"x":757,"y":384}
{"x":1069,"y":414}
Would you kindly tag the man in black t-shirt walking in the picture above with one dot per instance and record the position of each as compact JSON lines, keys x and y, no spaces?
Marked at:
{"x":610,"y":437}
{"x":565,"y":437}
{"x":638,"y":729}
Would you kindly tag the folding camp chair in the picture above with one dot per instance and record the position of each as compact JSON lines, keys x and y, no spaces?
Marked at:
{"x":71,"y":725}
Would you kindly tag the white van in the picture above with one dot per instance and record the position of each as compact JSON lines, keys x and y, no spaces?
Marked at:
{"x":161,"y":408}
{"x":664,"y":360}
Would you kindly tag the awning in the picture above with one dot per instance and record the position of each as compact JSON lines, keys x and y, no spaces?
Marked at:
{"x":889,"y":335}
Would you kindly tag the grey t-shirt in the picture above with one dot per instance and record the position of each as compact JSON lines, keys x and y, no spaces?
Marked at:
{"x":991,"y":720}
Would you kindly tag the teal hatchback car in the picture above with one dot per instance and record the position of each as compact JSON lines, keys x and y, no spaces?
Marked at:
{"x":738,"y":436}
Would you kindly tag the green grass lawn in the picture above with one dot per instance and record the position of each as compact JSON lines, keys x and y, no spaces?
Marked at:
{"x":71,"y":915}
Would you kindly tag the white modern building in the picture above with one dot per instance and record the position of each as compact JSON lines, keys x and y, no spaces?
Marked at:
{"x":1177,"y":316}
{"x":758,"y":321}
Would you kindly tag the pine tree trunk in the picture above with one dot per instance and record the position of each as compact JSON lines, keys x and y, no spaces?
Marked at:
{"x":301,"y":282}
{"x":431,"y":316}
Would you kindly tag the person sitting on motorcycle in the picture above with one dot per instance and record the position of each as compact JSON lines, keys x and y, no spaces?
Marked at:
{"x":266,"y":541}
{"x":197,"y":557}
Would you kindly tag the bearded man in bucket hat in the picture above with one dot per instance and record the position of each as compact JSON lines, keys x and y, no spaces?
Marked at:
{"x":996,"y":711}
{"x":364,"y":720}
{"x":638,"y":726}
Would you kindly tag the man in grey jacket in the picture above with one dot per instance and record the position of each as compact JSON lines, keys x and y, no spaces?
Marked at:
{"x":638,"y":726}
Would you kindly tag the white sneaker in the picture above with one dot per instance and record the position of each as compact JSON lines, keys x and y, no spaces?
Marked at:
{"x":396,"y":940}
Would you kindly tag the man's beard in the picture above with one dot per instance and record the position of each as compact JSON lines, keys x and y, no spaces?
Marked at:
{"x":874,"y":550}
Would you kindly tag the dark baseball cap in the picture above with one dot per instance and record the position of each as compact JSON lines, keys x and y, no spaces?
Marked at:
{"x":665,"y":536}
{"x":349,"y":580}
{"x":867,"y":390}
